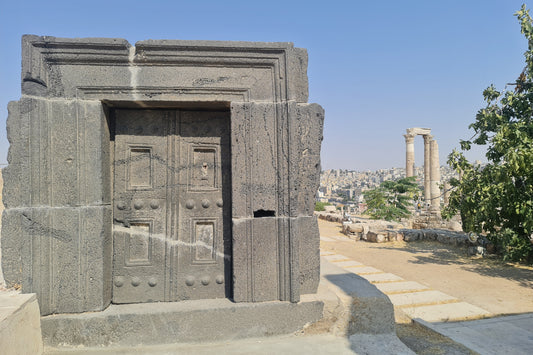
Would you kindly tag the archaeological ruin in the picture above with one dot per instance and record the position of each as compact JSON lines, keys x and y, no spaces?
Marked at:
{"x":431,"y":164}
{"x":158,"y":173}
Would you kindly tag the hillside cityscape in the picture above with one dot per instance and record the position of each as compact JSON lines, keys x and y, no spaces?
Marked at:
{"x":346,"y":187}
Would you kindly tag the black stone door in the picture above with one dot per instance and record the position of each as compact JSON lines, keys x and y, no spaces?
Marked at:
{"x":172,"y":235}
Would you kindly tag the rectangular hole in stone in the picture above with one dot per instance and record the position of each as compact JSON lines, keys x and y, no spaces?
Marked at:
{"x":264,"y":213}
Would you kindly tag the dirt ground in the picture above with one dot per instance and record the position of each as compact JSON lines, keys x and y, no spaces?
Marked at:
{"x":488,"y":283}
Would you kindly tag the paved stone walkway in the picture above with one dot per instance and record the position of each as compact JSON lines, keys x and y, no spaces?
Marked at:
{"x":463,"y":322}
{"x":495,"y":336}
{"x":411,"y":298}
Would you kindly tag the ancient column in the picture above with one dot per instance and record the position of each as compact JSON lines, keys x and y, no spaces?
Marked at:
{"x":427,"y":167}
{"x":435,"y":175}
{"x":446,"y":193}
{"x":409,"y":154}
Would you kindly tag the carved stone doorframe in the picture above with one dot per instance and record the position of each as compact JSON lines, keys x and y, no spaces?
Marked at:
{"x":57,"y":226}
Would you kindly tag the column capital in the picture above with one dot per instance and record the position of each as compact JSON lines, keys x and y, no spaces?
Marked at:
{"x":409,"y":138}
{"x":427,"y":138}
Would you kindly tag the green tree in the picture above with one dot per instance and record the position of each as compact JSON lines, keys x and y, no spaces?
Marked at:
{"x":319,"y":206}
{"x":390,"y":200}
{"x":498,"y":197}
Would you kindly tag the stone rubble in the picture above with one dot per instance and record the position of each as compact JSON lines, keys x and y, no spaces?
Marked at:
{"x":379,"y":231}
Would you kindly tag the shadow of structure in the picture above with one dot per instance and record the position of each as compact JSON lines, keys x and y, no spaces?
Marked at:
{"x":360,"y":311}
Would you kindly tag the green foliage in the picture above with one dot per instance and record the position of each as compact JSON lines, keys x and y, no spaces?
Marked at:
{"x":389,"y":201}
{"x":319,"y":206}
{"x":498,"y":198}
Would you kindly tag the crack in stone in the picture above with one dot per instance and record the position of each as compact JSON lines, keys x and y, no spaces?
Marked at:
{"x":163,"y":238}
{"x":42,"y":230}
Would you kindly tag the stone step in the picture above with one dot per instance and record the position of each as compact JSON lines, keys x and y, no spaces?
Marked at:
{"x":366,"y":270}
{"x":392,"y":288}
{"x":349,"y":264}
{"x":173,"y":322}
{"x":428,"y":297}
{"x":334,"y":257}
{"x":446,"y":312}
{"x":380,"y":278}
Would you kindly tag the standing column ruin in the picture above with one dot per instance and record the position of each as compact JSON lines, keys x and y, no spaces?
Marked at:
{"x":431,"y":163}
{"x":427,"y":167}
{"x":435,"y":175}
{"x":409,"y":154}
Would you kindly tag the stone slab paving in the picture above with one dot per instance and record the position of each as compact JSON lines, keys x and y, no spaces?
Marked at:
{"x":362,"y":344}
{"x":333,"y":257}
{"x":421,"y":298}
{"x":501,"y":335}
{"x":446,"y":312}
{"x":349,"y":264}
{"x":391,"y":288}
{"x":384,"y":277}
{"x":414,"y":299}
{"x":366,"y":270}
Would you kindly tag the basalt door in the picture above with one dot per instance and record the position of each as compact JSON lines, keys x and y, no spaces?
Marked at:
{"x":171,"y":206}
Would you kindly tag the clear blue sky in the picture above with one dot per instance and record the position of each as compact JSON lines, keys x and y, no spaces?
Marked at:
{"x":377,"y":67}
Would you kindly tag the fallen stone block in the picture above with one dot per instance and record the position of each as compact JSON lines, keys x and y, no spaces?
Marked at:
{"x":376,"y":237}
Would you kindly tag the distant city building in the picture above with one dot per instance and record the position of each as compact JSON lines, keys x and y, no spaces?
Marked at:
{"x":348,"y":186}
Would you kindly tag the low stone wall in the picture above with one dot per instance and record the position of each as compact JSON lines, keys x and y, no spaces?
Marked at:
{"x":439,"y":235}
{"x":329,"y":216}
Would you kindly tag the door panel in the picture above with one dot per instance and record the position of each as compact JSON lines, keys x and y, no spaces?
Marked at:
{"x":140,"y":208}
{"x":203,"y":267}
{"x":172,"y":236}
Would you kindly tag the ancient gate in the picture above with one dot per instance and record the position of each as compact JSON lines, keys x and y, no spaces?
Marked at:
{"x":160,"y":172}
{"x":171,"y":205}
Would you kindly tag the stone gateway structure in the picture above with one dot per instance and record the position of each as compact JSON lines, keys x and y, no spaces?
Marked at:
{"x":168,"y":171}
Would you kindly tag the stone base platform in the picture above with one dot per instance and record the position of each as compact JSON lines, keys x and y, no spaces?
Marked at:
{"x":176,"y":322}
{"x":20,"y":331}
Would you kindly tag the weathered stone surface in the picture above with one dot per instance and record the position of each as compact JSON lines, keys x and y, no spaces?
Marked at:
{"x":61,"y":254}
{"x":20,"y":324}
{"x":306,"y":229}
{"x":376,"y":237}
{"x":64,"y":162}
{"x":306,"y":124}
{"x":174,"y":322}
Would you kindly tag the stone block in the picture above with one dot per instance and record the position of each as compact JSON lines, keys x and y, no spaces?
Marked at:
{"x":20,"y":324}
{"x":175,"y":322}
{"x":62,"y":254}
{"x":298,"y":89}
{"x":305,"y":126}
{"x":308,"y":236}
{"x":256,"y":270}
{"x":376,"y":237}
